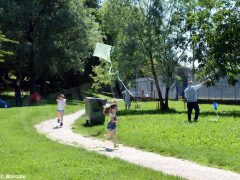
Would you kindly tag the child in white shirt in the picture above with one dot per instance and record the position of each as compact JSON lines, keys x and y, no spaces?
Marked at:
{"x":61,"y":103}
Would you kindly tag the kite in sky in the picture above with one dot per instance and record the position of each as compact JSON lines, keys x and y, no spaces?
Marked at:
{"x":104,"y":51}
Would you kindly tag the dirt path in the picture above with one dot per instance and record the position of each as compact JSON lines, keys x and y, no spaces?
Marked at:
{"x":167,"y":165}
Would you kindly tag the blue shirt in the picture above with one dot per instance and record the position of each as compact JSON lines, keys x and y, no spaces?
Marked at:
{"x":191,"y":93}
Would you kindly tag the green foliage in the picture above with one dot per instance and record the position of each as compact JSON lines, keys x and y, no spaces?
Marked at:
{"x":101,"y":76}
{"x":54,"y":36}
{"x":92,"y":3}
{"x":214,"y":144}
{"x":149,"y":38}
{"x":2,"y":51}
{"x":216,"y":37}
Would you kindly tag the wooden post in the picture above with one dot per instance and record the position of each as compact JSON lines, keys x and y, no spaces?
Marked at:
{"x":158,"y":105}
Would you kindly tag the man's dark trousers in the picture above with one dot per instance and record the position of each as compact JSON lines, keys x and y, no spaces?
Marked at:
{"x":191,"y":106}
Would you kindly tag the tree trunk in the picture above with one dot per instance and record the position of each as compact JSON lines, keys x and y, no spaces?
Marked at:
{"x":160,"y":99}
{"x":118,"y":90}
{"x":29,"y":38}
{"x":43,"y":84}
{"x":167,"y":97}
{"x":177,"y":90}
{"x":32,"y":72}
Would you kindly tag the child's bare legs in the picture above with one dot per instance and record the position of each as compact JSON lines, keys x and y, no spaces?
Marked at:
{"x":127,"y":107}
{"x":59,"y":116}
{"x":108,"y":134}
{"x":113,"y":133}
{"x":115,"y":137}
{"x":62,"y":113}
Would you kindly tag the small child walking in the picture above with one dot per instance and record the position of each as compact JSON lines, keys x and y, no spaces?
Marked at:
{"x":61,"y":103}
{"x":112,"y":125}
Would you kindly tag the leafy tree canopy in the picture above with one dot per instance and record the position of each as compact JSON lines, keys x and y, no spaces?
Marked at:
{"x":216,"y":36}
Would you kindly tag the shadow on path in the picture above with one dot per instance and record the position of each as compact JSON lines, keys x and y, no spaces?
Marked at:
{"x":173,"y":111}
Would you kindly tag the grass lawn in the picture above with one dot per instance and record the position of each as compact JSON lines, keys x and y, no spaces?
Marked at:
{"x":24,"y":152}
{"x":211,"y":143}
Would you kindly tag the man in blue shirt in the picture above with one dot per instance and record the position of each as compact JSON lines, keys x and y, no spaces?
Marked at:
{"x":192,"y":99}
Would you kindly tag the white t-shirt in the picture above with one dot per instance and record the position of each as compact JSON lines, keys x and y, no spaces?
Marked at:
{"x":61,"y":104}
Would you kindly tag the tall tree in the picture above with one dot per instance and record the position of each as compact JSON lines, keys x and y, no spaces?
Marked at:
{"x":54,"y":36}
{"x":4,"y":53}
{"x":149,"y":37}
{"x":217,"y":38}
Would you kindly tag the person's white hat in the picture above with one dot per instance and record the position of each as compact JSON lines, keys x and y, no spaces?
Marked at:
{"x":109,"y":104}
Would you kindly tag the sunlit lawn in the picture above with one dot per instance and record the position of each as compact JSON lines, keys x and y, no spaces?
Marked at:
{"x":211,"y":143}
{"x":25,"y":152}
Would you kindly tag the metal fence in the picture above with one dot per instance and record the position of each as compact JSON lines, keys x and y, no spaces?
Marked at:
{"x":221,"y":90}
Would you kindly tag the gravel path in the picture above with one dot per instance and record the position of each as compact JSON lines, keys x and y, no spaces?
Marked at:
{"x":167,"y":165}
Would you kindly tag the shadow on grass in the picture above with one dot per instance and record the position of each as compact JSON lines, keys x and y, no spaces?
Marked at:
{"x":26,"y":101}
{"x":10,"y":99}
{"x":173,"y":111}
{"x":87,"y":125}
{"x":222,"y":114}
{"x":143,"y":112}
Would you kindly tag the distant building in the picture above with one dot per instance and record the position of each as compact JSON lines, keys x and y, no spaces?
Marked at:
{"x":145,"y":88}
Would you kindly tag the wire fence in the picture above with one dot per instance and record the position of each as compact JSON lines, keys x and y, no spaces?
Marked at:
{"x":220,"y":91}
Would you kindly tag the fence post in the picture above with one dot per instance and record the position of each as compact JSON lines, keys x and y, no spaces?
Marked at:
{"x":221,"y":89}
{"x":208,"y":93}
{"x":235,"y":93}
{"x":142,"y":93}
